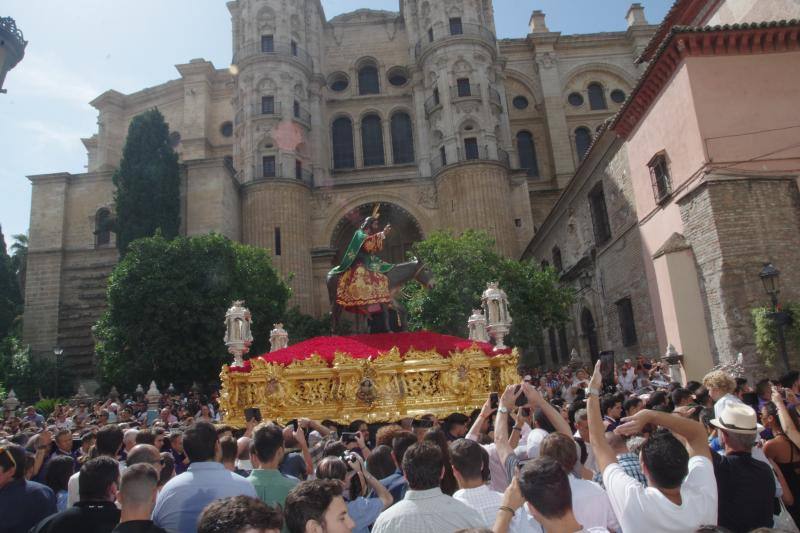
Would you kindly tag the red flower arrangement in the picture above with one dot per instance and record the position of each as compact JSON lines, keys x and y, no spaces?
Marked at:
{"x":371,"y":346}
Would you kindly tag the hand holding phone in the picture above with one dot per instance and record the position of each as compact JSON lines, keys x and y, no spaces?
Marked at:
{"x":494,"y":400}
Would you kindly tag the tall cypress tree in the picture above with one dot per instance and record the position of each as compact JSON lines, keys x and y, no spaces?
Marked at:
{"x":148,"y":182}
{"x":10,"y":297}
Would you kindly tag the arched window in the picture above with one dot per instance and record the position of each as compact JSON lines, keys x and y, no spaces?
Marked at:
{"x":372,"y":141}
{"x":597,"y":97}
{"x":527,"y":153}
{"x":343,"y":154}
{"x":557,"y":262}
{"x":102,"y":227}
{"x":402,"y":139}
{"x":583,"y":139}
{"x":368,"y":80}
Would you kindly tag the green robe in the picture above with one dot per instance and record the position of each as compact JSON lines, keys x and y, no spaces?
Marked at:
{"x":373,"y":263}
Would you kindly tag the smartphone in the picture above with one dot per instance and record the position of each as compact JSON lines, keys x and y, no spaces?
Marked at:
{"x":347,"y":437}
{"x":252,"y":413}
{"x":521,"y":399}
{"x":525,"y":411}
{"x":607,"y":365}
{"x":494,"y":400}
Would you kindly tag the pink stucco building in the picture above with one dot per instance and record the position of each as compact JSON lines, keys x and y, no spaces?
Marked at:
{"x":711,"y":140}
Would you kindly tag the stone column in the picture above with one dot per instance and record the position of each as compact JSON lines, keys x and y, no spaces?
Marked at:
{"x":45,"y":258}
{"x":560,"y":141}
{"x":422,"y":150}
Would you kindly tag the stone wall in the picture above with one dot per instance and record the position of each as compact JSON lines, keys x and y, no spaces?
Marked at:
{"x":735,"y":224}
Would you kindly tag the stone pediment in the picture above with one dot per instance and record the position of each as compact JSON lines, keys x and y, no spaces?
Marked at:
{"x":361,"y":16}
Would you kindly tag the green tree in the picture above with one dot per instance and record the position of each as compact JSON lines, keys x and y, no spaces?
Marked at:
{"x":166,"y":307}
{"x":19,"y":260}
{"x":147,"y":197}
{"x":462,"y":266}
{"x":10,"y":296}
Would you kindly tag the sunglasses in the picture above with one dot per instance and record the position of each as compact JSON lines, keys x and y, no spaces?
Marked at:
{"x":5,"y":450}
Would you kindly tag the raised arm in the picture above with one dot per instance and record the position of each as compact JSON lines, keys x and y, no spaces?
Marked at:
{"x":603,"y":453}
{"x":786,"y":419}
{"x":693,"y":432}
{"x":536,"y":400}
{"x":501,"y":430}
{"x":486,"y":413}
{"x":380,"y":491}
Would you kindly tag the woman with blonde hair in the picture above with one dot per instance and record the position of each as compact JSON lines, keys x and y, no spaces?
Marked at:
{"x":720,"y":387}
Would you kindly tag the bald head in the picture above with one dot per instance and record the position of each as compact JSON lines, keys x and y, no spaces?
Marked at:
{"x":138,"y":488}
{"x":243,"y":448}
{"x":129,"y":438}
{"x":144,"y":454}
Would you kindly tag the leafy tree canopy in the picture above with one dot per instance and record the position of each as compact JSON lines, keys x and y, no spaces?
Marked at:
{"x":147,"y":197}
{"x":10,"y":296}
{"x":462,"y":266}
{"x":167,"y":303}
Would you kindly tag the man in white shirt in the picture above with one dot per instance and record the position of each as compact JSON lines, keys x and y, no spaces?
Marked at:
{"x":471,"y":470}
{"x":590,"y":502}
{"x":108,"y":443}
{"x":544,"y":489}
{"x":425,"y":509}
{"x":682,"y":490}
{"x":627,"y":376}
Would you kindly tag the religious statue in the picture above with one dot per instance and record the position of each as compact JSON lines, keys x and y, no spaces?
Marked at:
{"x":362,"y":283}
{"x":278,"y":338}
{"x":477,"y":326}
{"x":363,"y":280}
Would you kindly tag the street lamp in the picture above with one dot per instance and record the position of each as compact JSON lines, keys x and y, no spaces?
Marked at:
{"x":770,"y":278}
{"x":57,"y":351}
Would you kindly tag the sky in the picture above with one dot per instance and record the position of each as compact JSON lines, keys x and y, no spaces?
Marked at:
{"x":77,"y":50}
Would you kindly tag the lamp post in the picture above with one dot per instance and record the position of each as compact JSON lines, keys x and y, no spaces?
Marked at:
{"x":770,"y":278}
{"x":58,"y":351}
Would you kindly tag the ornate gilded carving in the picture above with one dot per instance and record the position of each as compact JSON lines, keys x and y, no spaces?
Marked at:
{"x":381,"y":389}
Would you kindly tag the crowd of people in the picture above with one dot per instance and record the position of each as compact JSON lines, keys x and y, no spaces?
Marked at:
{"x":637,"y":449}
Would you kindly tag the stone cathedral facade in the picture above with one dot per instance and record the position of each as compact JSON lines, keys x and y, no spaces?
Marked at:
{"x":423,"y":110}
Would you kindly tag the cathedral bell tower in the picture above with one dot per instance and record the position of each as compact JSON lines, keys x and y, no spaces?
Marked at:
{"x":455,"y":50}
{"x":277,"y":144}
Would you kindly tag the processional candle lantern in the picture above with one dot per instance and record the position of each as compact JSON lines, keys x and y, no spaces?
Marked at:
{"x":238,"y":336}
{"x":495,"y":306}
{"x":477,"y":326}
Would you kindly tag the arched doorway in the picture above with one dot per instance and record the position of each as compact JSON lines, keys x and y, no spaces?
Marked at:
{"x":589,"y":332}
{"x":405,"y":232}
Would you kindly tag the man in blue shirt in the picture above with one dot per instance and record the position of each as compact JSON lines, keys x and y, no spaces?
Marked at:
{"x":184,"y":497}
{"x":22,"y":503}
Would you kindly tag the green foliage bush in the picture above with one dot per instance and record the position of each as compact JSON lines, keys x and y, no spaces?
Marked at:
{"x":766,"y":333}
{"x":31,"y":378}
{"x":462,"y":266}
{"x":166,"y":309}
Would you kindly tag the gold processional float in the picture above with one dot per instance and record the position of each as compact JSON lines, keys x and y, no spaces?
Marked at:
{"x":375,"y":377}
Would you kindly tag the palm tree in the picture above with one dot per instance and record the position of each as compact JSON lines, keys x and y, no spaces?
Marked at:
{"x":19,"y":259}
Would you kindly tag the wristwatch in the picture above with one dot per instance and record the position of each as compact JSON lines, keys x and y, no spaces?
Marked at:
{"x":503,"y":409}
{"x":594,"y":392}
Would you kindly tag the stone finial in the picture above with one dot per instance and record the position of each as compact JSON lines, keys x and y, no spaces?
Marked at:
{"x":153,"y":395}
{"x":635,"y":15}
{"x":537,"y":23}
{"x":81,"y":395}
{"x":11,"y":402}
{"x":113,"y":394}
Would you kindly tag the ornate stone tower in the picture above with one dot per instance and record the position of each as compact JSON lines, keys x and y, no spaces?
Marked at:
{"x":277,"y":144}
{"x":460,"y":87}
